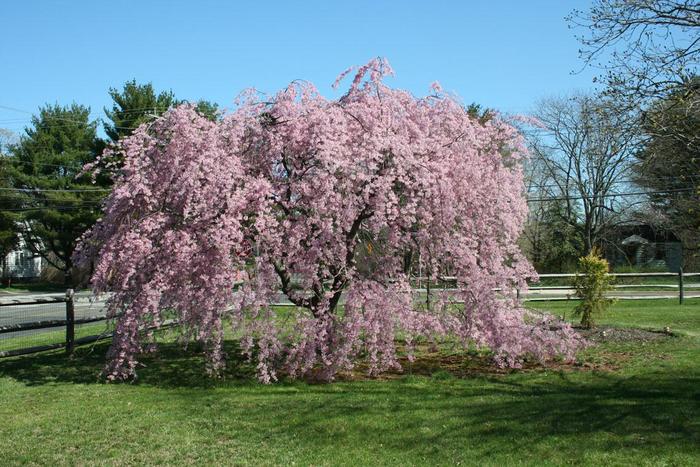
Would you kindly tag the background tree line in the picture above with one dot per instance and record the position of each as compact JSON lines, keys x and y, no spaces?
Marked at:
{"x":626,"y":153}
{"x":45,"y":200}
{"x":629,"y":152}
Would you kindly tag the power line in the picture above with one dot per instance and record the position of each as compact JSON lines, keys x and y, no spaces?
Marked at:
{"x":142,"y":110}
{"x":531,"y":188}
{"x":66,"y":123}
{"x":556,"y":198}
{"x":46,"y":208}
{"x":51,"y":196}
{"x":32,"y":163}
{"x":17,"y":199}
{"x":138,"y":109}
{"x":55,"y":190}
{"x":611,"y":195}
{"x":560,"y":198}
{"x":618,"y":182}
{"x":84,"y":203}
{"x":15,"y":109}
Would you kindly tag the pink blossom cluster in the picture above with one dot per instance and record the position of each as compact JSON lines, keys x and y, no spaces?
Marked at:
{"x":331,"y":203}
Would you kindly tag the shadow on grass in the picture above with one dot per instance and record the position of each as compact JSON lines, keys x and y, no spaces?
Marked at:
{"x":171,"y":366}
{"x":652,"y":411}
{"x":605,"y":413}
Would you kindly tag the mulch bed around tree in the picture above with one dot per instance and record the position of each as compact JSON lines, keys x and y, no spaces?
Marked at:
{"x":601,"y":334}
{"x":433,"y":362}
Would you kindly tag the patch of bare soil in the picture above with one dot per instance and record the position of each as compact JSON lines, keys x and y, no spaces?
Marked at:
{"x":601,"y":334}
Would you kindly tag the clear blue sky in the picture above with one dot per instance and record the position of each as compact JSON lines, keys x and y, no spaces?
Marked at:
{"x":503,"y":54}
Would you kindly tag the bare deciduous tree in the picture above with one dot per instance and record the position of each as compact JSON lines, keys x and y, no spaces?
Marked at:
{"x":548,"y":240}
{"x":585,"y":146}
{"x":645,"y":47}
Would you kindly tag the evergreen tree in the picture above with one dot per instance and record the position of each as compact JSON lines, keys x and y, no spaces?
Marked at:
{"x":58,"y":203}
{"x":133,"y":105}
{"x":9,"y":226}
{"x":208,"y":110}
{"x":670,"y":163}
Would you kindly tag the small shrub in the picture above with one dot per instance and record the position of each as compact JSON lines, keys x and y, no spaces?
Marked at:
{"x":591,"y":286}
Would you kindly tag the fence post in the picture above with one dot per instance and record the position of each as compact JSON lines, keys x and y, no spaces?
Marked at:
{"x":70,"y":321}
{"x":680,"y":285}
{"x":427,"y":295}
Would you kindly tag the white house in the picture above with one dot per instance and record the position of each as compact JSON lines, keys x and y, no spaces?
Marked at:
{"x":22,"y":263}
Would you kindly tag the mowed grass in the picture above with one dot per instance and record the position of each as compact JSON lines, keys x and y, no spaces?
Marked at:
{"x":31,"y":287}
{"x":634,"y":403}
{"x":645,"y":314}
{"x":49,"y":336}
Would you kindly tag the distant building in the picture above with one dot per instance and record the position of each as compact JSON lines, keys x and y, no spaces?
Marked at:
{"x":643,"y":246}
{"x":22,"y":264}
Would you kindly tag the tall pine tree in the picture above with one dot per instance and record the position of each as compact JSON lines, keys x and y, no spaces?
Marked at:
{"x":133,"y":105}
{"x":9,"y":203}
{"x":136,"y":104}
{"x":58,"y":203}
{"x":669,"y":164}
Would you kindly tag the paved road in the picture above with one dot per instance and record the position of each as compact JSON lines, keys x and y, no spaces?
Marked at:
{"x":86,"y":307}
{"x":691,"y":291}
{"x":9,"y":315}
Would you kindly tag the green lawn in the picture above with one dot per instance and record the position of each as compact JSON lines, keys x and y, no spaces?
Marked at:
{"x":31,"y":287}
{"x":647,"y":314}
{"x":50,"y":336}
{"x":643,"y":280}
{"x":623,"y":404}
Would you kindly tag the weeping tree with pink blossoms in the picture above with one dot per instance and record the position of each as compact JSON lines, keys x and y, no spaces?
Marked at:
{"x":328,"y":202}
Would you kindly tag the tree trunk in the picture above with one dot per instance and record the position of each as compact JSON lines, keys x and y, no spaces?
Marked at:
{"x":68,"y":271}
